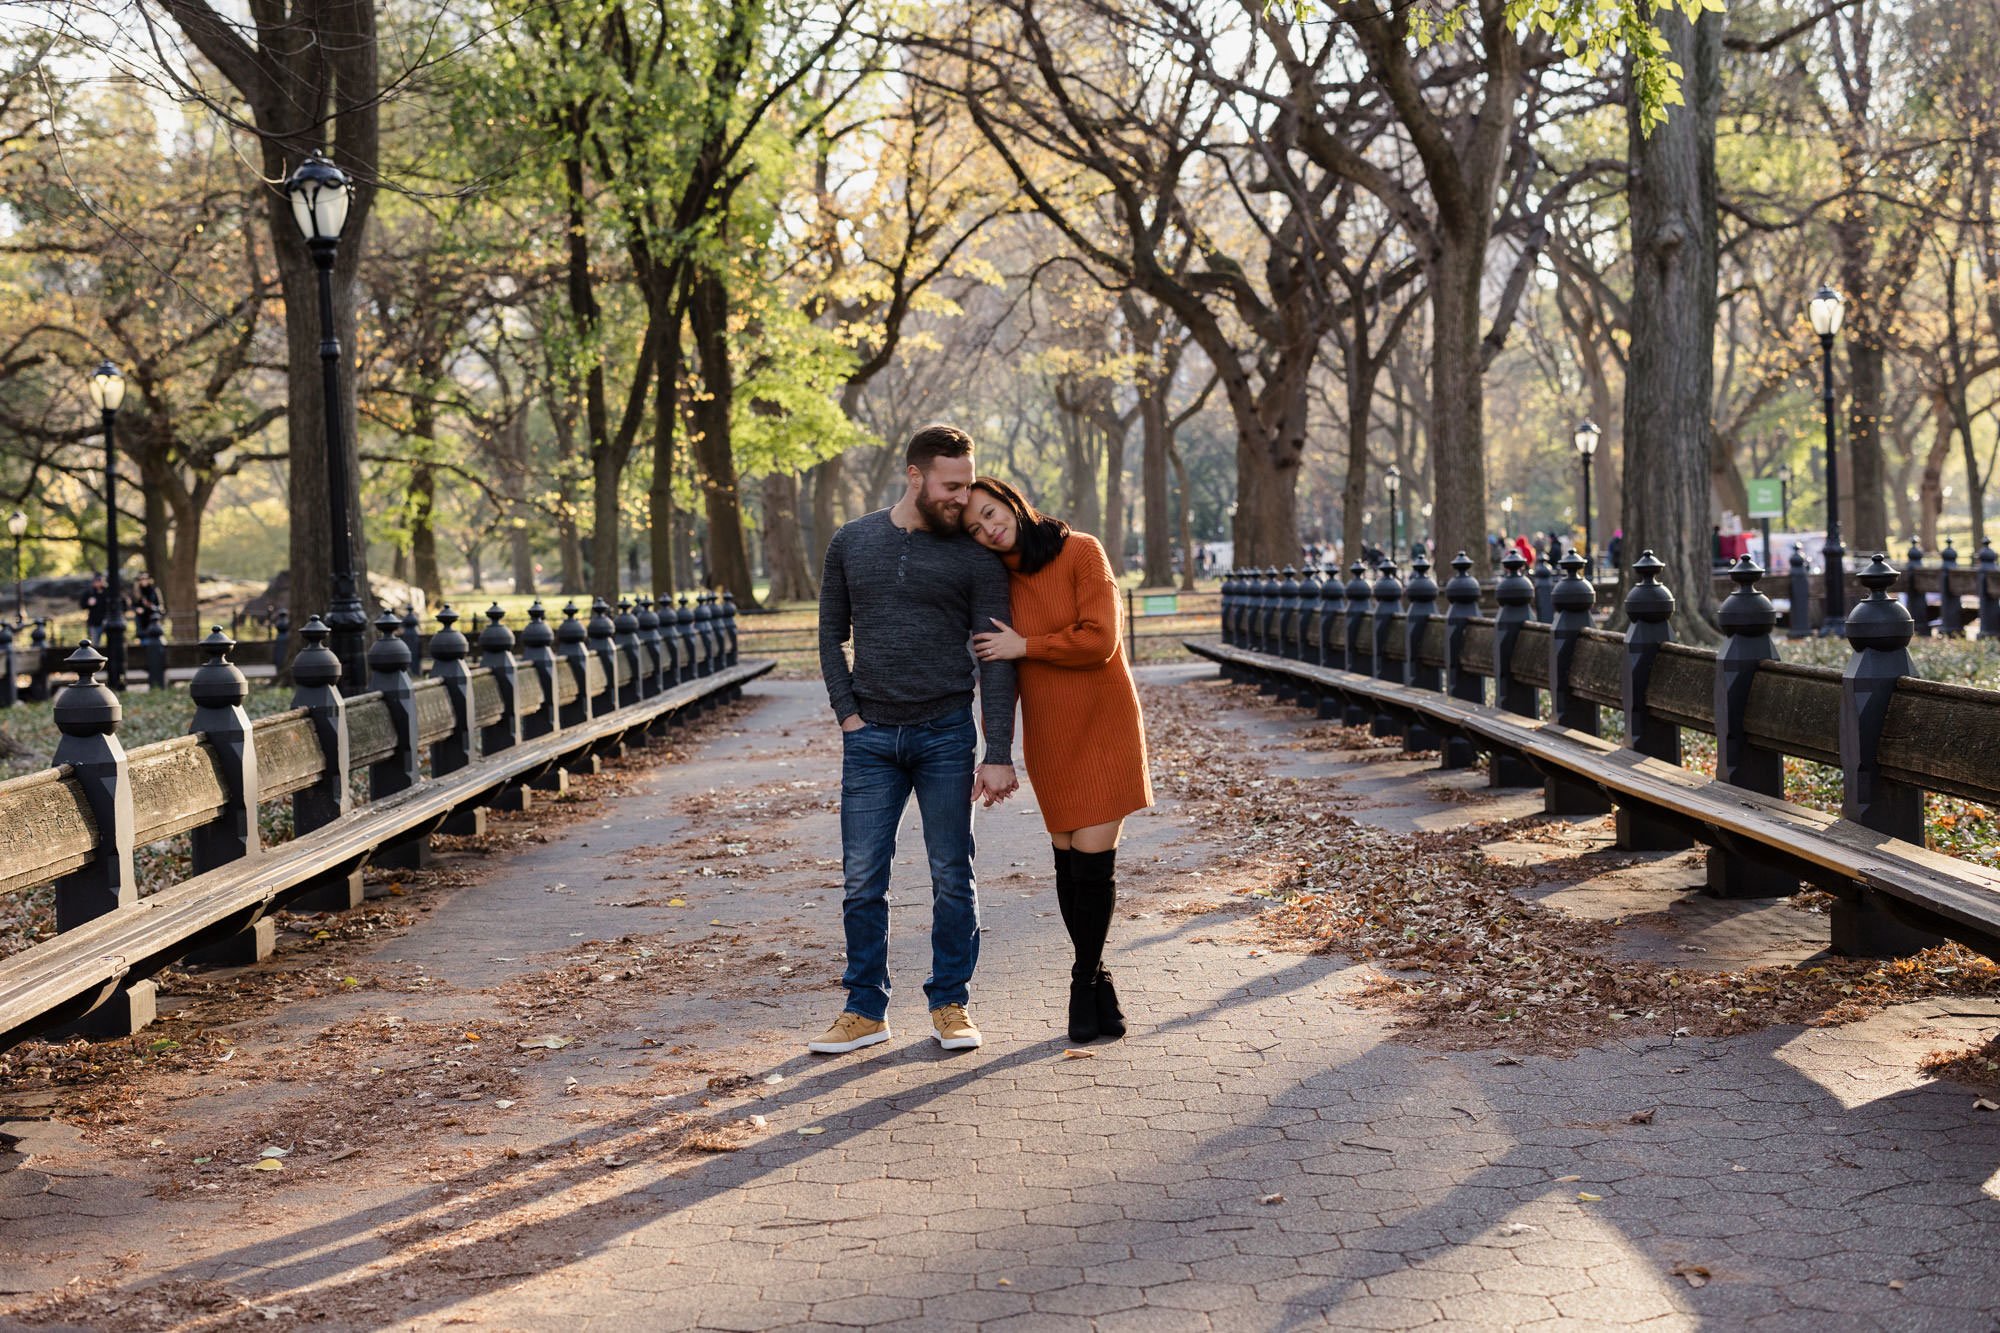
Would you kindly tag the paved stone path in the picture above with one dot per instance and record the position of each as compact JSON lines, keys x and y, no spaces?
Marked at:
{"x":1259,"y":1153}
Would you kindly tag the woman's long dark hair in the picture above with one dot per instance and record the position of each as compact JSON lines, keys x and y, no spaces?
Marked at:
{"x":1038,"y":538}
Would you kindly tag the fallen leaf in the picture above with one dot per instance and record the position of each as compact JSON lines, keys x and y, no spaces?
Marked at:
{"x":1986,"y":1104}
{"x":1506,"y":1060}
{"x":758,"y":1122}
{"x":1564,"y":1180}
{"x":810,"y":1130}
{"x":1641,"y":1117}
{"x":543,"y":1044}
{"x":275,"y":1152}
{"x":1895,"y":1284}
{"x":504,"y":1102}
{"x":1073,"y":1054}
{"x":1695,"y":1274}
{"x":1517,"y":1229}
{"x":203,"y":1161}
{"x":774,"y":1078}
{"x":267,"y":1164}
{"x":470,"y":1036}
{"x":1271,"y":1199}
{"x":1588,"y":1197}
{"x":616,"y":1161}
{"x":677,"y":902}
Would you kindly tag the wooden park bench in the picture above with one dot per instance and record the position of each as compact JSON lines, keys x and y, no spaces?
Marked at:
{"x":1376,"y":654}
{"x":489,"y":735}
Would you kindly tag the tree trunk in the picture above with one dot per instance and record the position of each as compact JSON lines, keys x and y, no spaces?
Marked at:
{"x":473,"y":551}
{"x":791,"y":569}
{"x":1458,"y":446}
{"x":1158,"y":549}
{"x":1114,"y":495}
{"x":1867,"y":493}
{"x":1186,"y":516}
{"x":1669,"y":379}
{"x":423,"y":533}
{"x":728,"y":565}
{"x":660,"y":506}
{"x":153,"y":544}
{"x":521,"y":555}
{"x":180,"y":585}
{"x":827,"y":482}
{"x":605,"y":565}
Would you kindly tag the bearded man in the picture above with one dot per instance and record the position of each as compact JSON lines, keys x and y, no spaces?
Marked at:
{"x":911,"y":588}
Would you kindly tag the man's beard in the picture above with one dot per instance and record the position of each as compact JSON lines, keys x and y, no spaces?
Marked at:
{"x":940,"y":519}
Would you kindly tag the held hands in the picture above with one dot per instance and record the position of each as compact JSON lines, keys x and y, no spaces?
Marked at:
{"x":994,"y":783}
{"x":1001,"y":645}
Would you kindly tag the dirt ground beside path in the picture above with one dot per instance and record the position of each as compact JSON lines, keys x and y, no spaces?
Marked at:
{"x":559,"y":1083}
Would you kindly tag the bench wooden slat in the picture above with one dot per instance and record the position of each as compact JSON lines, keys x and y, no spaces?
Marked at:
{"x":288,"y":755}
{"x":434,"y":716}
{"x":487,"y":705}
{"x":46,"y":829}
{"x":371,"y":736}
{"x":176,"y":786}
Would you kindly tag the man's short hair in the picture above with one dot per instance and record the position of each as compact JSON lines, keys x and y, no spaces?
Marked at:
{"x":934,"y":442}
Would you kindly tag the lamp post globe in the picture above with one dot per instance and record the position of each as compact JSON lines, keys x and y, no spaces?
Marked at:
{"x":320,"y":194}
{"x":1826,"y":310}
{"x":1587,"y":436}
{"x":17,"y":528}
{"x":107,"y":391}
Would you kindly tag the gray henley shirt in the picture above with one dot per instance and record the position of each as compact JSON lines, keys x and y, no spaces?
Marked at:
{"x":912,"y":601}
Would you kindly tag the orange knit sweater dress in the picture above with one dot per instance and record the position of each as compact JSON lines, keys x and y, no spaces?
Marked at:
{"x":1081,"y":735}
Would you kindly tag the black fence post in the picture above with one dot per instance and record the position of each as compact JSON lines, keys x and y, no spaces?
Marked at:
{"x":1461,"y":593}
{"x":1288,"y":622}
{"x":1747,"y":618}
{"x":1574,"y":599}
{"x":730,"y":648}
{"x":1649,"y":609}
{"x":1388,"y":595}
{"x":1515,"y":593}
{"x":625,"y":636}
{"x":389,"y":675}
{"x":689,"y":646}
{"x":9,"y":685}
{"x":1422,"y":594}
{"x":219,"y":691}
{"x":1309,"y":607}
{"x":1226,"y":609}
{"x":1989,"y":590}
{"x":1914,"y":600}
{"x":412,"y":632}
{"x":1799,"y":624}
{"x":316,"y":688}
{"x":1951,"y":612}
{"x":648,"y":636}
{"x":38,"y":678}
{"x":1357,"y":656}
{"x":1879,"y":631}
{"x":281,"y":639}
{"x":153,"y":646}
{"x":570,"y":637}
{"x":449,"y":649}
{"x":599,"y":632}
{"x":1545,"y":589}
{"x":1332,"y":641}
{"x":87,"y":714}
{"x":704,"y":630}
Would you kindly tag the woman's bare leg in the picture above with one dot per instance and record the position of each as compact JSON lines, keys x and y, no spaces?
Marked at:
{"x":1091,"y":837}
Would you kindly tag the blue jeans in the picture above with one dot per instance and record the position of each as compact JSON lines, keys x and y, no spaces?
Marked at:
{"x":880,"y":768}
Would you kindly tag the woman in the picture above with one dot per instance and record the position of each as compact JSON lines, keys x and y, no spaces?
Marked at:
{"x":1085,"y":747}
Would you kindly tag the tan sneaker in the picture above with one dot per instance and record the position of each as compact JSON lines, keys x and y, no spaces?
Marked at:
{"x":850,"y":1032}
{"x":954,"y":1028}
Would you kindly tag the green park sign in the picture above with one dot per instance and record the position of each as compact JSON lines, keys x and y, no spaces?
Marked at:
{"x":1767,"y":497}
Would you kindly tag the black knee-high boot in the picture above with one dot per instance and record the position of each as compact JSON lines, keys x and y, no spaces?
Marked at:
{"x":1082,"y":988}
{"x":1094,"y":880}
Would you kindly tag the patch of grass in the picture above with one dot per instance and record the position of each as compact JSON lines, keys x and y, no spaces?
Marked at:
{"x":28,"y":734}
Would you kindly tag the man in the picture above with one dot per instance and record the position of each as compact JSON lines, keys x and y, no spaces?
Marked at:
{"x":96,"y":604}
{"x":912,"y":588}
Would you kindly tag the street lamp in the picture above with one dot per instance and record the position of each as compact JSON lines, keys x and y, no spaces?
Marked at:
{"x":17,"y":528}
{"x":1587,"y":436}
{"x":107,"y":390}
{"x":1392,"y":482}
{"x":320,"y":193}
{"x":1785,"y":496}
{"x":1826,"y":310}
{"x":1507,"y":512}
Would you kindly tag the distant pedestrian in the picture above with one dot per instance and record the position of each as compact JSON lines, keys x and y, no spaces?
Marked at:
{"x":96,"y":603}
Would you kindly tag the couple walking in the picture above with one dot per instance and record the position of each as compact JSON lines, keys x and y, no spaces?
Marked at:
{"x":962,"y":583}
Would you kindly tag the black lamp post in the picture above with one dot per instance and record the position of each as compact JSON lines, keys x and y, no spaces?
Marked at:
{"x":1392,"y":482}
{"x":107,"y":390}
{"x":1826,"y":310}
{"x":320,"y":195}
{"x":17,"y":528}
{"x":1587,"y":436}
{"x":1785,"y":496}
